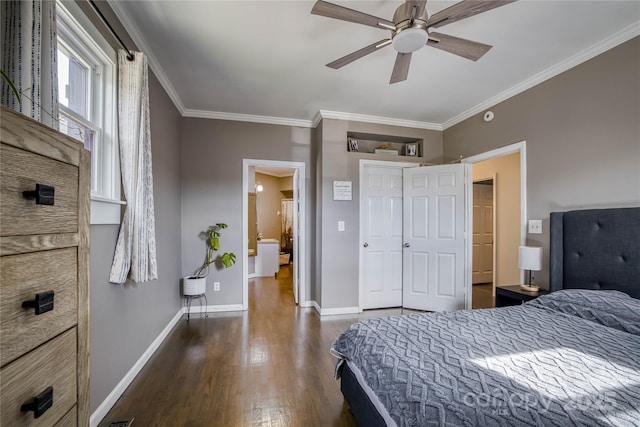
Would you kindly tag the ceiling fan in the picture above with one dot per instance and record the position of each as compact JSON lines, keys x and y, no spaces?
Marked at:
{"x":410,"y":31}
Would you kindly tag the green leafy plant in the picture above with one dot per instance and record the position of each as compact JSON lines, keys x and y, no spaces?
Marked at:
{"x":212,"y":241}
{"x":11,"y":85}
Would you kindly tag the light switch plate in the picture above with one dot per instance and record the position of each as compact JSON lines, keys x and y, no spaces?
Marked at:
{"x":340,"y":225}
{"x":535,"y":226}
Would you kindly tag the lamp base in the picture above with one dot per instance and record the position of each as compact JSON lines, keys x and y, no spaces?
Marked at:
{"x":530,"y":288}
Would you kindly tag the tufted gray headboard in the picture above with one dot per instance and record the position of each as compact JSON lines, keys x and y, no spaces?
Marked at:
{"x":596,"y":249}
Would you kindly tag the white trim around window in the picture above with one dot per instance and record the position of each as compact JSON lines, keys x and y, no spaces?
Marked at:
{"x":77,"y":33}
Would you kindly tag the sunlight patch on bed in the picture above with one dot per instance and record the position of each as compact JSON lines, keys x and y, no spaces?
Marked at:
{"x":563,"y":373}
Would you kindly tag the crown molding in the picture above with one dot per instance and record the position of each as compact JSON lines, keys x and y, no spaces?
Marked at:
{"x":617,"y":39}
{"x":142,"y":45}
{"x":338,"y":115}
{"x":220,"y":115}
{"x":317,"y":118}
{"x":321,"y":114}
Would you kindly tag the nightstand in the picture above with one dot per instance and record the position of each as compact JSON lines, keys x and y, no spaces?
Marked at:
{"x":513,"y":295}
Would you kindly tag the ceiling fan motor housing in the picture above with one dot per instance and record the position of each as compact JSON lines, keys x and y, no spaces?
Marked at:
{"x":411,"y":32}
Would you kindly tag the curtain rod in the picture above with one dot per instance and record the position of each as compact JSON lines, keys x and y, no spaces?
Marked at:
{"x":130,"y":56}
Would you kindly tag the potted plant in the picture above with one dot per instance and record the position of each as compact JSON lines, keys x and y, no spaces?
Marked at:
{"x":196,"y":284}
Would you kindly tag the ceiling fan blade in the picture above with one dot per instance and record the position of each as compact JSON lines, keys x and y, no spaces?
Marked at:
{"x":401,"y":68}
{"x":331,"y":10}
{"x":348,"y":59}
{"x":464,"y":9}
{"x":461,"y":47}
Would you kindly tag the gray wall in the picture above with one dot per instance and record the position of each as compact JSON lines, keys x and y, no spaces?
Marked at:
{"x":212,"y":156}
{"x":583,"y":138}
{"x":142,"y":310}
{"x":125,"y":319}
{"x":338,"y":267}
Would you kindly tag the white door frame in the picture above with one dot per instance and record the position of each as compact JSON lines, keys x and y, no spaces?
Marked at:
{"x":300,"y":167}
{"x":518,"y":147}
{"x":362,"y":205}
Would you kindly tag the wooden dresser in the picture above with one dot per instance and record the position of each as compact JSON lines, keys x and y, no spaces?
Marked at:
{"x":44,"y":272}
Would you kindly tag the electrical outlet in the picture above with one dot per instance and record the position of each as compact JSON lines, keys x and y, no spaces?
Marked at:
{"x":340,"y":225}
{"x":535,"y":226}
{"x":216,"y":286}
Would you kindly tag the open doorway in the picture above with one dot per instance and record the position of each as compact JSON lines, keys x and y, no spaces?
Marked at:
{"x":505,"y":217}
{"x":273,"y":223}
{"x":482,"y":265}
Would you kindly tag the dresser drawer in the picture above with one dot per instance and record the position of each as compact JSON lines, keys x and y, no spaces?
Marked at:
{"x":51,"y":365}
{"x":20,"y":171}
{"x":22,"y":277}
{"x":70,"y":419}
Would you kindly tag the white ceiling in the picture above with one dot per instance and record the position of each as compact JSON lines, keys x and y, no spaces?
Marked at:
{"x":265,"y":60}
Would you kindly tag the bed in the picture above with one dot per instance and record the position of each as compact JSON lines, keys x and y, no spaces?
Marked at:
{"x":571,"y":357}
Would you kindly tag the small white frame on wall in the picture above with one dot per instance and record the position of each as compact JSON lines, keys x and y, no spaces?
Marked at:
{"x":342,"y":190}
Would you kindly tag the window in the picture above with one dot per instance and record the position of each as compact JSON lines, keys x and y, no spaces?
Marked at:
{"x":87,"y":74}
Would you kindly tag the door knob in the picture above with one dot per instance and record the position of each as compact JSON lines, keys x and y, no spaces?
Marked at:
{"x":406,"y":245}
{"x":366,"y":245}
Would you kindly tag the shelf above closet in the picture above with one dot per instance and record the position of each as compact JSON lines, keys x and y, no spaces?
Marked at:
{"x":384,"y":145}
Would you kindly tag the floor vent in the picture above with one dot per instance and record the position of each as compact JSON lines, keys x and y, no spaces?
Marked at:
{"x":127,"y":423}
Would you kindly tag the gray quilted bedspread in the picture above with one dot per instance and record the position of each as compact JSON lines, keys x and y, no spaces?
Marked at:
{"x":538,"y":364}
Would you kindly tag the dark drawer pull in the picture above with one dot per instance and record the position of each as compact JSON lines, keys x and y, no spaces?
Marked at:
{"x":42,"y":303}
{"x":40,"y":403}
{"x":43,"y":194}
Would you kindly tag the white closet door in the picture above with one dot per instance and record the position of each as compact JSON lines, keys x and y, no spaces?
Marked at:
{"x":435,"y":273}
{"x":381,"y":235}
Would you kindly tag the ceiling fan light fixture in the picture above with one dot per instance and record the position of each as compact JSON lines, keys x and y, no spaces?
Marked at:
{"x":410,"y":40}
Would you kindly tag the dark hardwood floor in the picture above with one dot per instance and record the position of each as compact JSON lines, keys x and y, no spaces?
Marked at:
{"x":483,"y":296}
{"x":268,"y":366}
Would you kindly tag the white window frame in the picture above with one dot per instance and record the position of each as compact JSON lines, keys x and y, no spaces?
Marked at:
{"x":77,"y":33}
{"x":96,"y":116}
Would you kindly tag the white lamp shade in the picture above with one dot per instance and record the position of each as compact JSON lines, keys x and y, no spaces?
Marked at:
{"x":529,"y":258}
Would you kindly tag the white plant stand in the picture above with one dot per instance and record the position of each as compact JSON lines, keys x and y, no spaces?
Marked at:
{"x":195,"y":288}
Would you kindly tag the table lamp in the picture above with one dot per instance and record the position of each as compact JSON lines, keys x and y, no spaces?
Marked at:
{"x":530,"y":258}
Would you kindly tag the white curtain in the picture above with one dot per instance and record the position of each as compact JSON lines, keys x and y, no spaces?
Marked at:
{"x":135,"y":254}
{"x":30,"y":58}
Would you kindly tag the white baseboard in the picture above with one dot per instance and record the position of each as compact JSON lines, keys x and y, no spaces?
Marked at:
{"x":339,"y":310}
{"x":214,"y":308}
{"x":115,"y":394}
{"x":317,"y":307}
{"x":305,"y":304}
{"x":330,"y":311}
